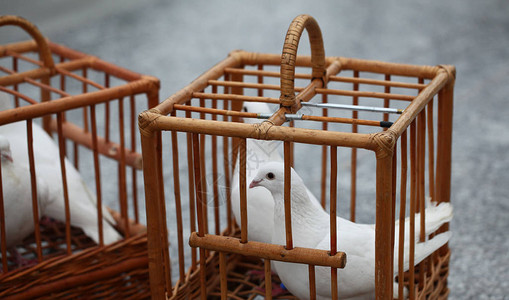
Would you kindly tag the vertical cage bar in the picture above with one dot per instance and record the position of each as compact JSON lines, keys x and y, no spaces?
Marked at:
{"x":46,"y":96}
{"x":178,"y":205}
{"x":63,"y":88}
{"x":203,"y":167}
{"x":268,"y":279}
{"x":226,"y":165}
{"x":97,"y":172}
{"x":333,"y":197}
{"x":243,"y":191}
{"x":151,"y":182}
{"x":236,"y":90}
{"x":215,"y":187}
{"x":33,"y":182}
{"x":431,"y":152}
{"x":76,"y":155}
{"x":15,"y":69}
{"x":444,"y":148}
{"x":107,"y":111}
{"x":154,"y":193}
{"x":287,"y":195}
{"x":387,"y":90}
{"x":84,"y":91}
{"x":333,"y":216}
{"x":394,"y":179}
{"x":444,"y":143}
{"x":61,"y":143}
{"x":62,"y":76}
{"x":413,"y":183}
{"x":198,"y":185}
{"x":384,"y":227}
{"x":312,"y":282}
{"x":203,"y":275}
{"x":421,"y":155}
{"x":162,"y":213}
{"x":260,"y":80}
{"x":222,"y":274}
{"x":431,"y":164}
{"x":121,"y":169}
{"x":402,"y":210}
{"x":192,"y":210}
{"x":323,"y":185}
{"x":3,"y":235}
{"x":353,"y":159}
{"x":292,"y":150}
{"x":235,"y":106}
{"x":134,"y":180}
{"x":198,"y":179}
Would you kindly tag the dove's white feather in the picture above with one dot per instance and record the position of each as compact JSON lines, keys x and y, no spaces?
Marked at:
{"x":260,"y":205}
{"x":310,"y":227}
{"x":82,"y":203}
{"x":17,"y":197}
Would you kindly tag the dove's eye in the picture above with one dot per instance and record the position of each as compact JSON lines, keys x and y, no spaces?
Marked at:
{"x":270,"y":176}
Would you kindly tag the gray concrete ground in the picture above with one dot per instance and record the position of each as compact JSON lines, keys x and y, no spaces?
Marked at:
{"x":178,"y":40}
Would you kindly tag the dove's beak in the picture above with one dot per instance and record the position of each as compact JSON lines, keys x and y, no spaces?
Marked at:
{"x":254,"y":183}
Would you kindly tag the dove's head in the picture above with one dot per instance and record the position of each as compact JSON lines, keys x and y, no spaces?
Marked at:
{"x":5,"y":149}
{"x":272,"y":176}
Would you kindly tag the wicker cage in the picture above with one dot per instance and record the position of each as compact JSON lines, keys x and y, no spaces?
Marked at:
{"x":394,"y":149}
{"x":65,"y":92}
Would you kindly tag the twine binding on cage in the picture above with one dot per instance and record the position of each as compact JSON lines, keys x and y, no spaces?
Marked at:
{"x":385,"y":142}
{"x":450,"y":70}
{"x":261,"y":130}
{"x":146,"y":119}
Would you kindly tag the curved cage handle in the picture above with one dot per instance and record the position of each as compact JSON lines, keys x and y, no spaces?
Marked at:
{"x":289,"y":56}
{"x":44,"y":51}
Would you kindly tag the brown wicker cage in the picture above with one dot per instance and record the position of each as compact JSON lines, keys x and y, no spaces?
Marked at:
{"x":394,"y":146}
{"x":67,"y":91}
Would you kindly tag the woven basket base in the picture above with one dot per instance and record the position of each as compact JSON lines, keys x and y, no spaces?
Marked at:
{"x":243,"y":283}
{"x":430,"y":279}
{"x":53,"y":244}
{"x":116,"y":271}
{"x":243,"y":277}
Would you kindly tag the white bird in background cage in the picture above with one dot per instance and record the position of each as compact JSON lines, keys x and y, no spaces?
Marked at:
{"x":260,"y":206}
{"x":311,"y":229}
{"x":17,"y":200}
{"x":82,"y":202}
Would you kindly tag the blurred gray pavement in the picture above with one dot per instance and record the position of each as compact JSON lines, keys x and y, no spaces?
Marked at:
{"x":177,"y":41}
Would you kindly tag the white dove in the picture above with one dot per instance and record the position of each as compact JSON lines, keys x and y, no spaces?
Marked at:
{"x":310,"y":227}
{"x":259,"y":201}
{"x":17,"y":196}
{"x":260,"y":205}
{"x":82,"y":203}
